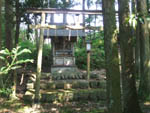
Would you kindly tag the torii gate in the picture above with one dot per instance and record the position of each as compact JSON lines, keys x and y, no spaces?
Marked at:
{"x":43,"y":26}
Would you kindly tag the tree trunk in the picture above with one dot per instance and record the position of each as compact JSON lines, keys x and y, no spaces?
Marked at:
{"x":137,"y":43}
{"x":130,"y":99}
{"x":1,"y":79}
{"x":0,"y":24}
{"x":39,"y":62}
{"x":8,"y":24}
{"x":137,"y":52}
{"x":111,"y":56}
{"x":144,"y":88}
{"x":17,"y":23}
{"x":28,"y":29}
{"x":147,"y":2}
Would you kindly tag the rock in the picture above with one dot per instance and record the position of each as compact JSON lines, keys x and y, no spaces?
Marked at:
{"x":30,"y":85}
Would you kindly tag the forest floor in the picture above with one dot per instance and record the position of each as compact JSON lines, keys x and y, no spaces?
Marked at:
{"x":19,"y":106}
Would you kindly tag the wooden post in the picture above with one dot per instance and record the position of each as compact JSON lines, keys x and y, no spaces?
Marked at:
{"x":88,"y":67}
{"x":39,"y":61}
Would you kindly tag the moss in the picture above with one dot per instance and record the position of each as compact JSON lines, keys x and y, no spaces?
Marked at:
{"x":51,"y":85}
{"x":93,"y":96}
{"x":101,"y":94}
{"x":60,"y":85}
{"x":80,"y":84}
{"x":93,"y":76}
{"x":83,"y":95}
{"x":76,"y":96}
{"x":28,"y":99}
{"x":48,"y":97}
{"x":93,"y":84}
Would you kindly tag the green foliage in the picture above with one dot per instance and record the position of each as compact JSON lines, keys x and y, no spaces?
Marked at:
{"x":45,"y":4}
{"x":135,"y":18}
{"x":133,"y":21}
{"x":5,"y":92}
{"x":27,"y":44}
{"x":97,"y":52}
{"x":11,"y":61}
{"x":32,"y":47}
{"x":63,"y":4}
{"x":10,"y":58}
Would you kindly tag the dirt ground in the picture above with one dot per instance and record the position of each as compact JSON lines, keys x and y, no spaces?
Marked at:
{"x":18,"y":106}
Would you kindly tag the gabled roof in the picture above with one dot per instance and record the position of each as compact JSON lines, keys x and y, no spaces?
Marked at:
{"x":71,"y":33}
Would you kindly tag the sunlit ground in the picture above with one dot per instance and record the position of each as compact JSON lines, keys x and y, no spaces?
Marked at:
{"x":18,"y":106}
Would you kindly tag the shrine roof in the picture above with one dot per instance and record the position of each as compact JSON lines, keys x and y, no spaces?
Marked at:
{"x":72,"y":33}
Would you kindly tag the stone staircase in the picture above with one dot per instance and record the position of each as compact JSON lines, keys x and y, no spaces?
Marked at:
{"x":66,"y":89}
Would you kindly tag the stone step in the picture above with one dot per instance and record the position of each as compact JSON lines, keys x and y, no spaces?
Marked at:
{"x":68,"y":95}
{"x":69,"y":84}
{"x":72,"y":84}
{"x":63,"y":76}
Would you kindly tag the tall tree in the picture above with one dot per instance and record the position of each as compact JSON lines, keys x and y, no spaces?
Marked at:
{"x":137,"y":41}
{"x":0,"y":21}
{"x":130,"y":99}
{"x":137,"y":48}
{"x":18,"y":17}
{"x":1,"y":81}
{"x":9,"y":23}
{"x":111,"y":56}
{"x":144,"y":88}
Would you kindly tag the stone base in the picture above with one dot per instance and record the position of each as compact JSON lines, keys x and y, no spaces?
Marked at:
{"x":65,"y":73}
{"x":63,"y":69}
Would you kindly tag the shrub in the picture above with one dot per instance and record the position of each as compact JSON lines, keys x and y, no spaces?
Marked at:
{"x":97,"y":53}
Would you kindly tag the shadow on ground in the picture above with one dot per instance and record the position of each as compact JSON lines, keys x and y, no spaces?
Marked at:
{"x":18,"y":106}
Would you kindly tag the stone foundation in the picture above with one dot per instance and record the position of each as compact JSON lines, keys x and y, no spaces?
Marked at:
{"x":62,"y":69}
{"x":65,"y":73}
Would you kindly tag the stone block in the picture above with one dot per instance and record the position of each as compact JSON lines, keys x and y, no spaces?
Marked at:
{"x":67,"y":86}
{"x":51,"y":85}
{"x":93,"y":84}
{"x":46,"y":97}
{"x":60,"y":85}
{"x":30,"y":85}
